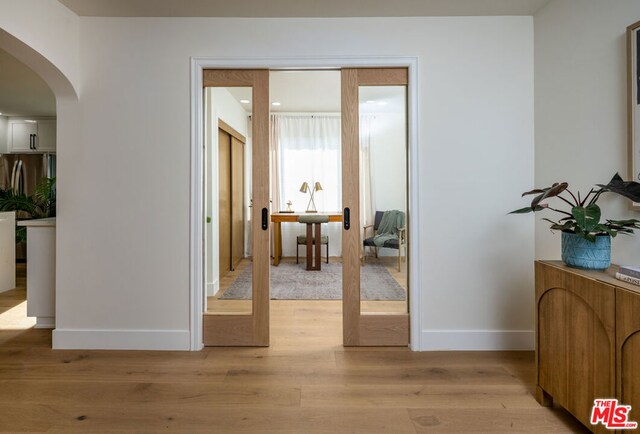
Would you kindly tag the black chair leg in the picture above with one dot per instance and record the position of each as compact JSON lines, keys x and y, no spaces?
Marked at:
{"x":327,"y":250}
{"x":297,"y":253}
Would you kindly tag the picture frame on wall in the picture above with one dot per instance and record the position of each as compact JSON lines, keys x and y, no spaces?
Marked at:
{"x":633,"y":98}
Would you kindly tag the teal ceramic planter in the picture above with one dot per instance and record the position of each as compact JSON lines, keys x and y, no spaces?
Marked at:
{"x":580,"y":253}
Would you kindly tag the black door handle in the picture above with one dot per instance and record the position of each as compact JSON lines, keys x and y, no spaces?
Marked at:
{"x":346,"y":219}
{"x":30,"y":141}
{"x":265,"y":219}
{"x":35,"y":139}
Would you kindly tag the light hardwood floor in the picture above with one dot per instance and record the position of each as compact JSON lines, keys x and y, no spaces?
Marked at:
{"x":306,"y":382}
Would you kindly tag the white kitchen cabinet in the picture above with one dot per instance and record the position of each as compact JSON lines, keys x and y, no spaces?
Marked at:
{"x":22,"y":136}
{"x":46,"y":136}
{"x":32,"y":136}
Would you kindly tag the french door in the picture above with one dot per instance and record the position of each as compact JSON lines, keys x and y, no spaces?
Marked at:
{"x":363,"y":326}
{"x":246,"y":323}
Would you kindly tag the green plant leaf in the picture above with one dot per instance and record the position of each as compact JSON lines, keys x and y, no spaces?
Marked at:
{"x":566,"y":226}
{"x":555,"y":190}
{"x":528,"y":209}
{"x":535,"y":191}
{"x":44,"y":198}
{"x":628,"y":189}
{"x":628,"y":222}
{"x":603,"y":228}
{"x":587,"y":218}
{"x":11,"y":201}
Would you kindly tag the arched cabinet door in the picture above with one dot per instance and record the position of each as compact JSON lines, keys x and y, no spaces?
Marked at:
{"x":628,"y":350}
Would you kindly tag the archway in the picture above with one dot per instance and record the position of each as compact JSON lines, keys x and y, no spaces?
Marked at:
{"x":56,"y":79}
{"x":66,"y":99}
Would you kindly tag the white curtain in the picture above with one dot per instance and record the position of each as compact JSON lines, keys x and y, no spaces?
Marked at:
{"x":309,"y":150}
{"x":367,"y":202}
{"x":274,"y":164}
{"x":274,"y":169}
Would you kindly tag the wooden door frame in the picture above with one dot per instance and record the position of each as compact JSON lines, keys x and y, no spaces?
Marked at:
{"x":196,"y":230}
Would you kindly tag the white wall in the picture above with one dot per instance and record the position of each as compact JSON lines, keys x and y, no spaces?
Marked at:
{"x":581,"y":113}
{"x":389,"y":161}
{"x":123,"y":270}
{"x":221,"y":105}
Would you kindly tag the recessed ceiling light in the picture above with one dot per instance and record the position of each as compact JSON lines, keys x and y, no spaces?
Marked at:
{"x":30,"y":121}
{"x":371,"y":101}
{"x":245,"y":101}
{"x":0,"y":113}
{"x":275,"y":103}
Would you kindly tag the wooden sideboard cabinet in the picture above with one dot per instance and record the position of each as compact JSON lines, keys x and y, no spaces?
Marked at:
{"x":587,"y":339}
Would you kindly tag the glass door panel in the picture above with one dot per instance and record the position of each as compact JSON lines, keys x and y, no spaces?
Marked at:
{"x":228,"y":230}
{"x":383,"y":198}
{"x":237,"y":208}
{"x":374,"y":143}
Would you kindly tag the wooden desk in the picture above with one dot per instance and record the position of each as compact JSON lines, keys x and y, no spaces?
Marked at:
{"x":278,"y":218}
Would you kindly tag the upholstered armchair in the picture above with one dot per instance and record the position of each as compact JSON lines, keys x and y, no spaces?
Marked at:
{"x":395,"y":239}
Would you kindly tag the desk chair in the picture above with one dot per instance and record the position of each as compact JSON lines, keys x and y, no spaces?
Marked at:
{"x":310,"y":240}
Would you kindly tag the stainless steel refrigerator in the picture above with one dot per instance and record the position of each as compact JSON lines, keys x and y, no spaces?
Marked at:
{"x":22,"y":172}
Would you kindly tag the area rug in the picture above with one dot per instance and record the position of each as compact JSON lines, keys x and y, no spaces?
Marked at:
{"x":294,"y":282}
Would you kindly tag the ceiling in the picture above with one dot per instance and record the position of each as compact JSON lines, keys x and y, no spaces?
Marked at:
{"x":301,"y":8}
{"x":22,"y":91}
{"x":305,"y":91}
{"x":319,"y":92}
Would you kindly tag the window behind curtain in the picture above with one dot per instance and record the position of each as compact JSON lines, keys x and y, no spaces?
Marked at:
{"x":309,"y":151}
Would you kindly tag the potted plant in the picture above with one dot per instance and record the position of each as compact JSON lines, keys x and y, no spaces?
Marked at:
{"x":586,"y":240}
{"x":41,"y":204}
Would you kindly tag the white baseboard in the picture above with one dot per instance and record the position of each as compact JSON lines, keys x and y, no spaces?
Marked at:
{"x":170,"y":340}
{"x":212,"y":288}
{"x":476,"y":340}
{"x":45,"y":322}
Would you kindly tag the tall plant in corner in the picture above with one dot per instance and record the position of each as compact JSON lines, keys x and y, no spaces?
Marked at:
{"x":586,"y":238}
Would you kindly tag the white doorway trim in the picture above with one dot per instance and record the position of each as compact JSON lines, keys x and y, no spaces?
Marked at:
{"x":196,"y":255}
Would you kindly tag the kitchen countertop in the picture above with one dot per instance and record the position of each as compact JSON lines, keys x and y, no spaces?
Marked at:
{"x":48,"y":222}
